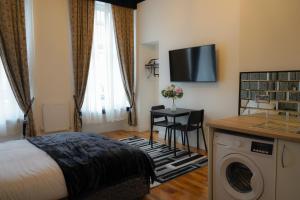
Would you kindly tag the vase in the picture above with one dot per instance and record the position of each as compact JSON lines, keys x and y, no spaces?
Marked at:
{"x":173,"y":108}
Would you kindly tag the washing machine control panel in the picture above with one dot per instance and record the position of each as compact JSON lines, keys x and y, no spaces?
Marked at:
{"x":263,"y":148}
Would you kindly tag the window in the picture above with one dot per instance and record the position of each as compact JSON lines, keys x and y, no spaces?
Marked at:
{"x":105,"y":98}
{"x":10,"y":113}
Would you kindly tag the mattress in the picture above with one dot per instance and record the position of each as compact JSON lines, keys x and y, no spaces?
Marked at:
{"x":28,"y":173}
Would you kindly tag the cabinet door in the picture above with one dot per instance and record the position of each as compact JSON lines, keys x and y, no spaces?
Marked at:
{"x":288,"y":171}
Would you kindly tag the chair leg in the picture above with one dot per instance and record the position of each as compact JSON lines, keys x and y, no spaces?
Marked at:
{"x":204,"y":138}
{"x":170,"y":137}
{"x":187,"y":141}
{"x":182,"y":138}
{"x":151,"y":135}
{"x":174,"y":141}
{"x":198,"y":138}
{"x":166,"y":133}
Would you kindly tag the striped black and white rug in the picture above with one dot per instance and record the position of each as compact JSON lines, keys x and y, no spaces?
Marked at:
{"x":167,"y":166}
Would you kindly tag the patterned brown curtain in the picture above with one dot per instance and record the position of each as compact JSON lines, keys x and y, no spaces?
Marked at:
{"x":82,"y":25}
{"x":123,"y":20}
{"x":13,"y":53}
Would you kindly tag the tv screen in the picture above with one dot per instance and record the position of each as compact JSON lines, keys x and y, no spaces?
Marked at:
{"x":196,"y":64}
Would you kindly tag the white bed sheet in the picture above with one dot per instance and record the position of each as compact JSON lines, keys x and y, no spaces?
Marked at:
{"x":28,"y":173}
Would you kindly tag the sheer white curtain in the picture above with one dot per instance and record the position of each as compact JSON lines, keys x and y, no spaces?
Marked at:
{"x":10,"y":112}
{"x":105,"y":99}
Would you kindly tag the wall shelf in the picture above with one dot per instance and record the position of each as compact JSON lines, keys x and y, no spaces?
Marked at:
{"x":152,"y":66}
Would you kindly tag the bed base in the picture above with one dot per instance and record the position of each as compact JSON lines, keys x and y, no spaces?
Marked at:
{"x":132,"y":189}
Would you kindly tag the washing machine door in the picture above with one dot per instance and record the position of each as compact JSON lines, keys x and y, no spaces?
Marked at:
{"x":241,"y":178}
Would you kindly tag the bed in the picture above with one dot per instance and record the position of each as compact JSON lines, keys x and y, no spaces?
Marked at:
{"x":73,"y":166}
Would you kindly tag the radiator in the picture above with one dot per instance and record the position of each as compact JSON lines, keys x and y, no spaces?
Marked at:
{"x":56,"y":117}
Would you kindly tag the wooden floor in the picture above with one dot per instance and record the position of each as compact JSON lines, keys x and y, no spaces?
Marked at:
{"x":192,"y":186}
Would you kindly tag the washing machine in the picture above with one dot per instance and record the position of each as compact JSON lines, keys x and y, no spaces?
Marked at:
{"x":244,"y":167}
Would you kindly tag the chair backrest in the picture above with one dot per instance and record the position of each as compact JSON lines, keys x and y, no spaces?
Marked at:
{"x":196,"y":117}
{"x":158,"y":107}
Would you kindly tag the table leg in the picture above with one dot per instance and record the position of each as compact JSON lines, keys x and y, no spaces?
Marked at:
{"x":174,"y":129}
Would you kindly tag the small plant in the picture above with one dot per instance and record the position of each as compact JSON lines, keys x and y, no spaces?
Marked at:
{"x":174,"y":93}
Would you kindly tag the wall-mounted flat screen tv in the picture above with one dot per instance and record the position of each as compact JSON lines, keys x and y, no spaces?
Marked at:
{"x":196,"y":64}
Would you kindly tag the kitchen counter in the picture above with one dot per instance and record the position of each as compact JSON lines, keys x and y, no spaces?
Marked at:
{"x":261,"y":125}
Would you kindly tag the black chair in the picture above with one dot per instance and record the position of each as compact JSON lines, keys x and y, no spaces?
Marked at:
{"x":163,"y":120}
{"x":194,"y":122}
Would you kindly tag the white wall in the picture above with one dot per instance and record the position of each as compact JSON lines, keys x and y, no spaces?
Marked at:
{"x":249,"y":35}
{"x":178,"y":24}
{"x":53,"y":74}
{"x":147,"y":84}
{"x":269,"y":35}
